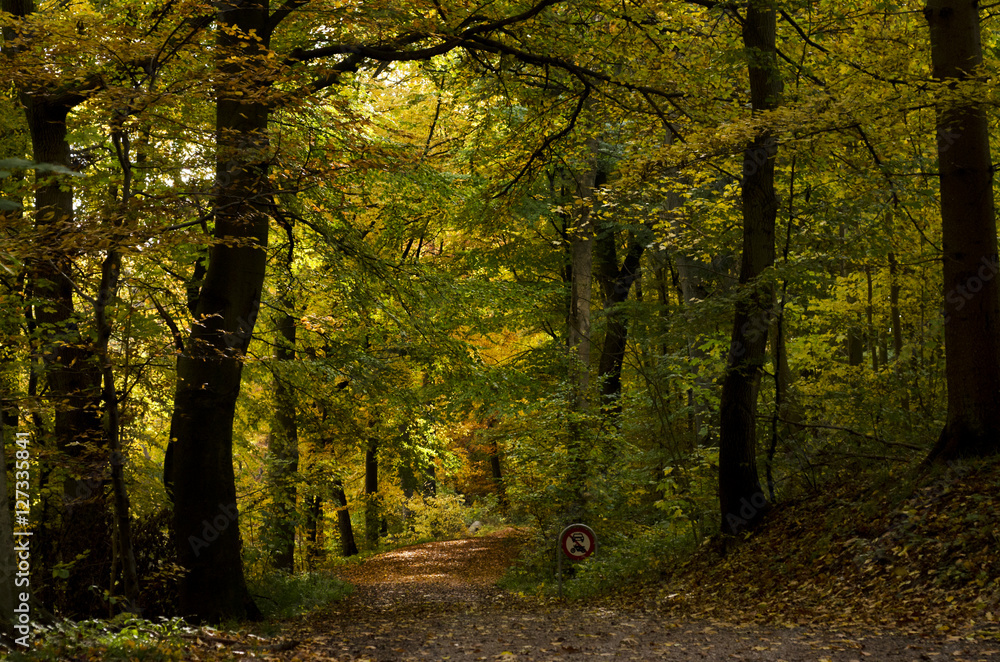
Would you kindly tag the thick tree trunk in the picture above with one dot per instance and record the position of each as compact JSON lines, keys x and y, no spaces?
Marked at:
{"x":14,"y":145}
{"x":200,"y":456}
{"x":72,"y":370}
{"x":969,"y":238}
{"x":742,"y":502}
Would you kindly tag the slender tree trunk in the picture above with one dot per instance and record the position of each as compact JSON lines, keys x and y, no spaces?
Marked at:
{"x":616,"y":282}
{"x":373,"y":510}
{"x":580,"y":345}
{"x":314,"y":531}
{"x":348,"y":547}
{"x":854,"y":343}
{"x":969,"y":238}
{"x":200,"y":456}
{"x":123,"y":526}
{"x":873,"y":334}
{"x":897,"y":329}
{"x":497,"y":474}
{"x":581,"y":287}
{"x":107,"y":293}
{"x":743,"y":503}
{"x":284,"y":447}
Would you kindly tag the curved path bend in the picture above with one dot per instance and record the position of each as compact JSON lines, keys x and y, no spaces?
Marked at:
{"x":438,"y":601}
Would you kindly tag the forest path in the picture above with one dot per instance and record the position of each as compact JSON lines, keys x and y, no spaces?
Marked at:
{"x":438,"y":601}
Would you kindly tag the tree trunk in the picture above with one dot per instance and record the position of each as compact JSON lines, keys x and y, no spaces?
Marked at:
{"x":123,"y":525}
{"x":107,"y":292}
{"x":969,"y":238}
{"x":10,"y":323}
{"x":199,"y":466}
{"x":71,"y":368}
{"x":742,"y":502}
{"x":615,"y":283}
{"x":854,"y":343}
{"x":497,"y":473}
{"x":283,"y":447}
{"x":373,"y":510}
{"x":897,"y":328}
{"x":314,"y":531}
{"x":348,"y":547}
{"x":581,"y":272}
{"x":581,"y":286}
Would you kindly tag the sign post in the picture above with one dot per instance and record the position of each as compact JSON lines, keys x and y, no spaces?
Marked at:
{"x":577,"y":541}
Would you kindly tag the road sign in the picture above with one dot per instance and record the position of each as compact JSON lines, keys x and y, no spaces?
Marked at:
{"x":577,"y":541}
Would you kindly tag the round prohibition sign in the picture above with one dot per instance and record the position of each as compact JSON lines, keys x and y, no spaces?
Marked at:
{"x":578,"y":541}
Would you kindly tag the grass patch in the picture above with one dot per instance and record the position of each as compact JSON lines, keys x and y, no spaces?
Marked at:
{"x":280,"y":595}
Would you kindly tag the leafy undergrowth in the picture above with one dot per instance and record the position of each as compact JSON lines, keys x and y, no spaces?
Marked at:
{"x":281,"y":595}
{"x":127,"y":637}
{"x":628,"y":553}
{"x":124,"y":637}
{"x":914,"y":554}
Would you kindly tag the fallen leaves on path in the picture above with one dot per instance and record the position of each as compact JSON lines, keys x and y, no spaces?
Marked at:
{"x":438,"y":602}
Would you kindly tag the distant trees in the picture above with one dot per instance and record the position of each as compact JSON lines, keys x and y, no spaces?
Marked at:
{"x":357,"y":265}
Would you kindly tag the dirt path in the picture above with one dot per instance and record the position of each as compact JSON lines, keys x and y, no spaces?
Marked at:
{"x":438,"y":602}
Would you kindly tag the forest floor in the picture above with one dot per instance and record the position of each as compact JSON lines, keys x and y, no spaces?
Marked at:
{"x":439,"y":601}
{"x":893,"y":565}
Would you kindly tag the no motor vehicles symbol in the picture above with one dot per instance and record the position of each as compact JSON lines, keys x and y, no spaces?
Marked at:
{"x":578,"y":541}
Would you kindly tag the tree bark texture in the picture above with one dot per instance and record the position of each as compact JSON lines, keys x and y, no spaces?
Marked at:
{"x":969,"y":238}
{"x":71,"y":369}
{"x":348,"y":546}
{"x":616,"y":283}
{"x":200,"y":459}
{"x":742,"y":502}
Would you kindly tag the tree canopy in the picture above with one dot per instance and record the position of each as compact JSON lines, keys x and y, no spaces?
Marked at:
{"x":274,"y":274}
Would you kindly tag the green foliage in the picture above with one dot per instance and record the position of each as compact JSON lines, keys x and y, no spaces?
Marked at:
{"x":437,"y":517}
{"x":626,"y":553}
{"x":125,"y":637}
{"x":281,"y":595}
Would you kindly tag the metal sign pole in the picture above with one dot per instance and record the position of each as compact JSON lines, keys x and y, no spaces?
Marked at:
{"x":559,"y":563}
{"x":584,"y":543}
